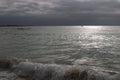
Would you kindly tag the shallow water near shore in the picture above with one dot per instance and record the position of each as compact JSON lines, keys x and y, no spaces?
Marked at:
{"x":96,"y":47}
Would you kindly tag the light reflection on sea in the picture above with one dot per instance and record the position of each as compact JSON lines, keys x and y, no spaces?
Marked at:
{"x":97,"y":46}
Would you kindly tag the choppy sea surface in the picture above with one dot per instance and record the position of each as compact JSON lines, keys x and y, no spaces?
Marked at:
{"x":95,"y":46}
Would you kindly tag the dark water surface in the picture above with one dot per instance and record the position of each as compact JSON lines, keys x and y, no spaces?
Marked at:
{"x":94,"y":46}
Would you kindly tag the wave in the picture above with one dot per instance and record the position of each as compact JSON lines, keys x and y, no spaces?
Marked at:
{"x":39,"y":71}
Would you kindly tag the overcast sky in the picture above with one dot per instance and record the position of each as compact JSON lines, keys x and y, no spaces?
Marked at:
{"x":60,"y":12}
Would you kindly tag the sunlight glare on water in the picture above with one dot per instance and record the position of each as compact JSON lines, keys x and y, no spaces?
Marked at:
{"x":97,"y":46}
{"x":93,"y":27}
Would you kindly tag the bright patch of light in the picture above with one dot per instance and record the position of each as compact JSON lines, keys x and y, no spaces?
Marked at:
{"x":93,"y":27}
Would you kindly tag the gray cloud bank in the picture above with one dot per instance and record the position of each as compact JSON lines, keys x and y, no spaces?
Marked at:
{"x":60,"y":12}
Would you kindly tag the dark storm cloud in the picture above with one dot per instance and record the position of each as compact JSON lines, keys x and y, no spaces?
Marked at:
{"x":59,"y":12}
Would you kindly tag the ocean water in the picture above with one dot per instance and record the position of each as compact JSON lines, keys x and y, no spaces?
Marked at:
{"x":97,"y":47}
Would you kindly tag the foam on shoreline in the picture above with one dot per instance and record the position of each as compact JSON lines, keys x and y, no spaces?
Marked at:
{"x":39,"y":71}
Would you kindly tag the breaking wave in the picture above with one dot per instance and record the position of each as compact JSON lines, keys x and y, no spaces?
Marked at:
{"x":39,"y":71}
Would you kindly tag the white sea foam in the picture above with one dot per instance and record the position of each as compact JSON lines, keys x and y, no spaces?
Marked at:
{"x":38,"y":71}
